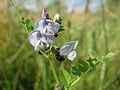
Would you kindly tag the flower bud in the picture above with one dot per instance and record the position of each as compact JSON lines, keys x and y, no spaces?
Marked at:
{"x":58,"y":86}
{"x":56,"y":17}
{"x":44,"y":14}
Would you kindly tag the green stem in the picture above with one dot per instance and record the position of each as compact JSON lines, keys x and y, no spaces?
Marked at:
{"x":20,"y":17}
{"x":79,"y":78}
{"x":51,"y":65}
{"x":53,"y":70}
{"x":103,"y":26}
{"x":103,"y":68}
{"x":44,"y":75}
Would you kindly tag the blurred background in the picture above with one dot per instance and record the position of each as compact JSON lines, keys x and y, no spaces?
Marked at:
{"x":94,"y":23}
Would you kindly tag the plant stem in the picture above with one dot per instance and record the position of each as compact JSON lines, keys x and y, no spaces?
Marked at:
{"x":79,"y":78}
{"x":103,"y":26}
{"x":103,"y":68}
{"x":102,"y":75}
{"x":20,"y":17}
{"x":53,"y":70}
{"x":44,"y":74}
{"x":51,"y":65}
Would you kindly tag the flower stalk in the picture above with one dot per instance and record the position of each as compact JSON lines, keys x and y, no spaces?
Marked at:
{"x":51,"y":65}
{"x":20,"y":17}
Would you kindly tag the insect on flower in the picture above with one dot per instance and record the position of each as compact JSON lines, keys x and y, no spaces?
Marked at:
{"x":67,"y":50}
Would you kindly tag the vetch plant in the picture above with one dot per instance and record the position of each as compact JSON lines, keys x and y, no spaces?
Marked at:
{"x":41,"y":36}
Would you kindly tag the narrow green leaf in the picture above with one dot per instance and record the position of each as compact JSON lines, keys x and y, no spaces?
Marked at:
{"x":82,"y":65}
{"x":65,"y":77}
{"x":75,"y":71}
{"x":27,"y":21}
{"x":109,"y":55}
{"x":91,"y":55}
{"x":92,"y":62}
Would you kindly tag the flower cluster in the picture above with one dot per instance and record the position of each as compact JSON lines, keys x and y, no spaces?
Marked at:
{"x":43,"y":36}
{"x":44,"y":32}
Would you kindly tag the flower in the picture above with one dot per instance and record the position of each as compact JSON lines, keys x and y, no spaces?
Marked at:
{"x":47,"y":25}
{"x":44,"y":31}
{"x":44,"y":14}
{"x":56,"y":17}
{"x":40,"y":40}
{"x":68,"y":50}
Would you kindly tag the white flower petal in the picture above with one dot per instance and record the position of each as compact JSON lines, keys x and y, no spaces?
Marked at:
{"x":75,"y":44}
{"x":33,"y":37}
{"x":68,"y":47}
{"x":37,"y":46}
{"x":64,"y":50}
{"x":72,"y":55}
{"x":38,"y":40}
{"x":48,"y":31}
{"x":41,"y":43}
{"x":40,"y":24}
{"x":44,"y":41}
{"x":54,"y":26}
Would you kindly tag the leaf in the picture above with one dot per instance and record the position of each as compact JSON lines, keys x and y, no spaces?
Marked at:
{"x":65,"y":77}
{"x":75,"y":71}
{"x":82,"y":65}
{"x":109,"y":55}
{"x":92,"y":62}
{"x":30,"y":27}
{"x":27,"y":23}
{"x":23,"y":20}
{"x":91,"y":55}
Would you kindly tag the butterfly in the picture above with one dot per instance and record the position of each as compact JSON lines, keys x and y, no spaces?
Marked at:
{"x":67,"y":50}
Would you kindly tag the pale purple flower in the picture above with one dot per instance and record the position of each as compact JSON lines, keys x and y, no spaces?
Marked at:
{"x":68,"y":50}
{"x":43,"y":34}
{"x":47,"y":24}
{"x":40,"y":40}
{"x":44,"y":14}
